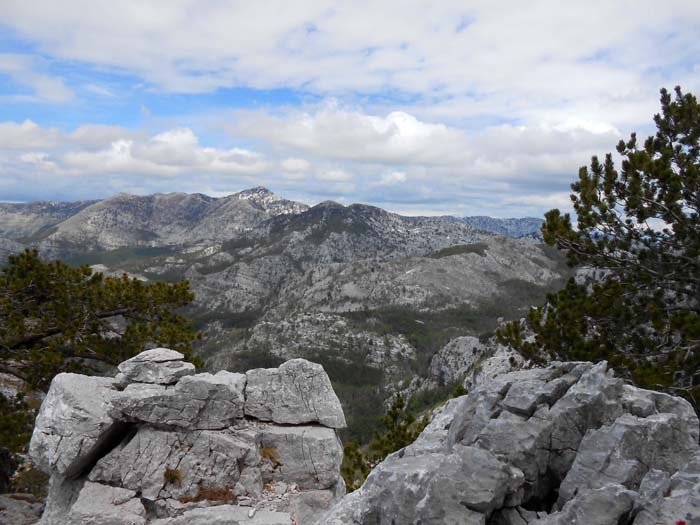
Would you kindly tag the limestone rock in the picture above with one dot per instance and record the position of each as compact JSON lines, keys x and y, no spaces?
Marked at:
{"x":154,"y":444}
{"x":159,"y":365}
{"x":309,"y":456}
{"x":609,"y":451}
{"x":104,"y":505}
{"x":680,"y":500}
{"x":456,"y":358}
{"x":196,"y":402}
{"x":306,"y":506}
{"x":18,"y":509}
{"x":297,"y":392}
{"x":197,"y":458}
{"x":73,"y":425}
{"x":227,"y":515}
{"x":608,"y":505}
{"x":626,"y":450}
{"x":462,"y":487}
{"x":62,"y":494}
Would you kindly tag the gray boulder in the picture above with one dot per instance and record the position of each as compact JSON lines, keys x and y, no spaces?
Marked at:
{"x":671,"y":500}
{"x":73,"y":426}
{"x":309,"y":456}
{"x":626,"y":450}
{"x":103,"y":505}
{"x":462,"y":487}
{"x":161,"y":443}
{"x":196,"y":402}
{"x":297,"y":392}
{"x":159,"y":365}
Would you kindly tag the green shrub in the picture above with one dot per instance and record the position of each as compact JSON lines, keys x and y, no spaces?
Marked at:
{"x":478,"y":248}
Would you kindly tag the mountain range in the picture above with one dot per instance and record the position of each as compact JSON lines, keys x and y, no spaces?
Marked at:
{"x":372,"y":295}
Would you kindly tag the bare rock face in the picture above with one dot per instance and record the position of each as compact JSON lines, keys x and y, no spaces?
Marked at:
{"x":104,"y":505}
{"x":73,"y":423}
{"x":295,"y":393}
{"x":569,"y":444}
{"x":197,"y":402}
{"x":161,"y":444}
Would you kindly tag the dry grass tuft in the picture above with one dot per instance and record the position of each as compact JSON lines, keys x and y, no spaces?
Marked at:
{"x":270,"y":454}
{"x":224,"y":495}
{"x":172,"y":476}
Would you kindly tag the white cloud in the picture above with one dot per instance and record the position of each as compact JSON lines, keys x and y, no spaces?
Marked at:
{"x":335,"y":175}
{"x":503,"y":167}
{"x":395,"y":177}
{"x":22,"y":69}
{"x":510,"y":58}
{"x":169,"y":153}
{"x":464,"y":107}
{"x":559,"y":200}
{"x":99,"y":90}
{"x":339,"y":133}
{"x":26,"y":135}
{"x":98,"y":135}
{"x":293,"y":165}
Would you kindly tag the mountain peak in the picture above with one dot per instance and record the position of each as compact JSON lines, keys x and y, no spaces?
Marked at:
{"x":329,"y":204}
{"x":256,"y":192}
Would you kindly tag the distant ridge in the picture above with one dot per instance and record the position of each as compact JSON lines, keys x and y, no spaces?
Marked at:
{"x":512,"y":227}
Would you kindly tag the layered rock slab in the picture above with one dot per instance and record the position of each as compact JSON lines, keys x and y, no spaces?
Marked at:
{"x":196,"y":402}
{"x":160,"y":366}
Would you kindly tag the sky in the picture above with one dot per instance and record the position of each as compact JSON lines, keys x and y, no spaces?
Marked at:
{"x":422,"y":108}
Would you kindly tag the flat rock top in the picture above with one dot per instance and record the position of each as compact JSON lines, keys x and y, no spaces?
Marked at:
{"x":156,"y":355}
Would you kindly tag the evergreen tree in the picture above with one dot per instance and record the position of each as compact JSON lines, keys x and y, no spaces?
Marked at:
{"x":400,"y":429}
{"x":54,"y":318}
{"x":638,"y":237}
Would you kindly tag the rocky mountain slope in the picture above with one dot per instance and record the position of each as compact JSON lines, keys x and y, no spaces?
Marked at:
{"x":370,"y":294}
{"x":30,"y":221}
{"x":512,"y":227}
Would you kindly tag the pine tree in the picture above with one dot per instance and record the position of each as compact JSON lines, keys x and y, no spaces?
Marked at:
{"x":638,"y":235}
{"x":400,"y":429}
{"x":54,"y":318}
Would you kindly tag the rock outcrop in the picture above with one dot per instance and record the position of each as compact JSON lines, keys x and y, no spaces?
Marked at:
{"x":567,"y":444}
{"x":162,"y":444}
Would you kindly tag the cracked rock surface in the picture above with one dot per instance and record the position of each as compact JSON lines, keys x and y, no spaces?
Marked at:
{"x":297,"y":392}
{"x":569,"y":444}
{"x":161,"y":444}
